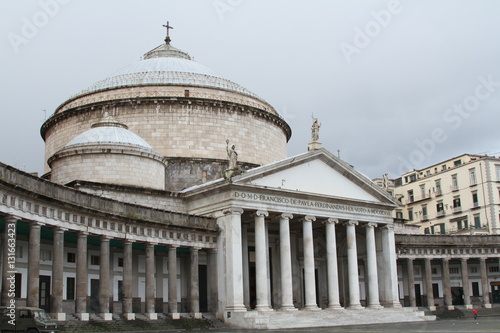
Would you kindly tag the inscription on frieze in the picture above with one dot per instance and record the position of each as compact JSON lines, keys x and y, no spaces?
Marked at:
{"x":309,"y":203}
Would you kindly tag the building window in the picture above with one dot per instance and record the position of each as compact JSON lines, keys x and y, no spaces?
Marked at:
{"x":410,"y":196}
{"x":454,"y":270}
{"x":435,"y":290}
{"x":120,"y":290}
{"x":94,"y":260}
{"x":424,"y":213}
{"x":493,"y":269}
{"x":454,"y":182}
{"x":457,"y":162}
{"x":473,"y":269}
{"x":410,"y":214}
{"x":477,"y":221}
{"x":399,"y":214}
{"x":456,"y":204}
{"x":427,"y":231}
{"x":422,"y":191}
{"x":120,"y":262}
{"x":438,"y":187}
{"x":498,"y":172}
{"x":475,"y":288}
{"x":428,"y":172}
{"x":70,"y":288}
{"x":475,"y":200}
{"x":443,"y":167}
{"x":440,"y":208}
{"x":462,"y":224}
{"x":472,"y":176}
{"x":45,"y":255}
{"x":71,"y":257}
{"x":18,"y":280}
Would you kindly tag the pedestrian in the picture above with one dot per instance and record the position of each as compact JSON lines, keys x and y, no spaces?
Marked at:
{"x":474,"y":311}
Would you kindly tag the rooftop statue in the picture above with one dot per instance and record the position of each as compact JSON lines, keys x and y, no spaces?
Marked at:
{"x":315,"y":130}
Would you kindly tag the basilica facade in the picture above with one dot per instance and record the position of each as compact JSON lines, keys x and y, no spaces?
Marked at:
{"x":168,"y":190}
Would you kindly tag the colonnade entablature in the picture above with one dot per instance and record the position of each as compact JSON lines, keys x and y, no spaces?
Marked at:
{"x":103,"y":224}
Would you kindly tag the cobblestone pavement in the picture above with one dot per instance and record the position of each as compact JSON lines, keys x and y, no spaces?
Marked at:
{"x":486,"y":324}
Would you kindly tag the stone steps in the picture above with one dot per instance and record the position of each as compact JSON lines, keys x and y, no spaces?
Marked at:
{"x":324,"y":318}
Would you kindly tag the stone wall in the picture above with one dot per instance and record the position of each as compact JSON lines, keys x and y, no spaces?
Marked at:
{"x":109,"y":166}
{"x":182,"y":128}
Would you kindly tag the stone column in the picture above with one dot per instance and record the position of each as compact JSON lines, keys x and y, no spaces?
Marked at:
{"x":390,"y":267}
{"x":127,"y":281}
{"x":309,"y":267}
{"x":159,"y":282}
{"x":465,"y":283}
{"x":286,"y":263}
{"x":428,"y":285}
{"x":34,"y":265}
{"x":246,"y":269}
{"x":150,"y":282}
{"x":446,"y":284}
{"x":233,"y":260}
{"x":371,"y":263}
{"x":172,"y":282}
{"x":332,"y":266}
{"x":195,"y":289}
{"x":352,"y":265}
{"x":262,"y":292}
{"x":81,"y":277}
{"x":213,"y":296}
{"x":411,"y":282}
{"x":104,"y":279}
{"x":484,"y":283}
{"x":56,"y":303}
{"x":8,"y":260}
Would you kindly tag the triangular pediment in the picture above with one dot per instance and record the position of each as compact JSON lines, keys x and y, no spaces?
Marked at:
{"x":318,"y":172}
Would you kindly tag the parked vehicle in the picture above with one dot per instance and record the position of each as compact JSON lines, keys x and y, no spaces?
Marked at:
{"x":26,"y":320}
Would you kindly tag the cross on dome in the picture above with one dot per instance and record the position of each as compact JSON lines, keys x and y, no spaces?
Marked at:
{"x":167,"y":39}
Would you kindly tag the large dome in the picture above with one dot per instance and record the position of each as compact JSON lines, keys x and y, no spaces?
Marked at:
{"x":181,"y":109}
{"x":166,"y":65}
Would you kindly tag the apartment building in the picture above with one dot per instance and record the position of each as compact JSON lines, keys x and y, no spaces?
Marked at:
{"x":458,"y":196}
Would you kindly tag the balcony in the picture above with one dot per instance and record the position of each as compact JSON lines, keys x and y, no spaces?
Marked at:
{"x":440,"y":213}
{"x":475,"y":205}
{"x":456,"y":209}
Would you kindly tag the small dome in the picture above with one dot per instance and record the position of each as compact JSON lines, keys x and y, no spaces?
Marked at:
{"x":108,"y":131}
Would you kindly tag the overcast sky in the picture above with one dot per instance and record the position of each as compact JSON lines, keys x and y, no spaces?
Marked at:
{"x":396,"y":85}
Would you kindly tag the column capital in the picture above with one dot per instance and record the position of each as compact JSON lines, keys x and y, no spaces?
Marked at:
{"x":261,"y":213}
{"x":151,"y":244}
{"x":105,"y":238}
{"x":11,"y":218}
{"x":172,"y":246}
{"x":482,"y":259}
{"x":370,"y":225}
{"x":82,"y":233}
{"x":352,"y":222}
{"x":446,"y":259}
{"x":36,"y":224}
{"x":387,"y":227}
{"x":128,"y":241}
{"x":332,"y":220}
{"x":309,"y":218}
{"x":233,"y":211}
{"x":464,"y":259}
{"x":195,"y":248}
{"x":286,"y":216}
{"x":59,"y":230}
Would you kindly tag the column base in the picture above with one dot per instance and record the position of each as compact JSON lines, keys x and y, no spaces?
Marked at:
{"x":335,"y":307}
{"x":487,"y":306}
{"x":236,"y":308}
{"x":394,"y":305}
{"x":355,"y":307}
{"x":151,"y":315}
{"x":375,"y":306}
{"x":129,"y":316}
{"x":468,"y":306}
{"x":197,"y":315}
{"x":61,"y":316}
{"x":83,"y":316}
{"x":311,"y":308}
{"x":432,"y":308}
{"x":263,"y":308}
{"x":450,"y":307}
{"x":175,"y":315}
{"x":288,"y":308}
{"x":106,"y":316}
